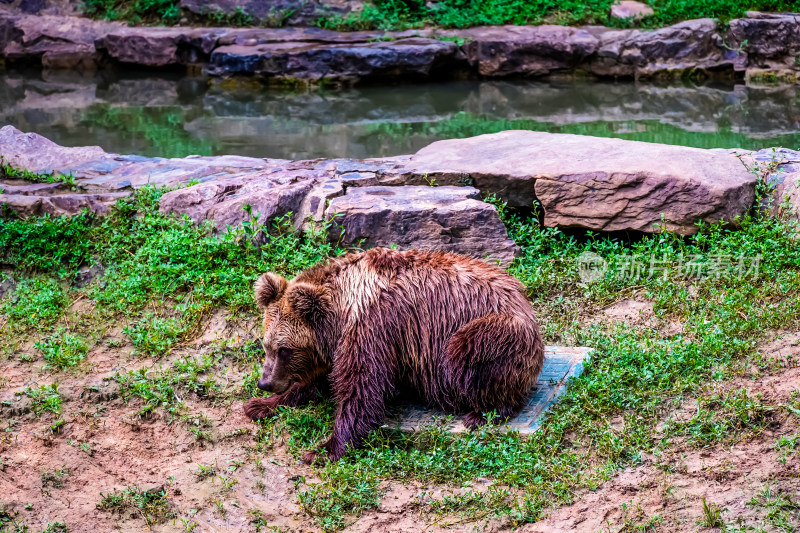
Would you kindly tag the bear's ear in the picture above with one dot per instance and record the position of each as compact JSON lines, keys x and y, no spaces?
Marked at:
{"x":269,"y":288}
{"x":310,"y":302}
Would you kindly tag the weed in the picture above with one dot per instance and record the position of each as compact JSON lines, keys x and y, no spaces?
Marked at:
{"x":63,"y":349}
{"x":44,"y":398}
{"x":228,"y":482}
{"x":786,"y":445}
{"x":781,"y":510}
{"x":56,"y":527}
{"x":189,"y":525}
{"x":155,"y":335}
{"x":470,"y":506}
{"x":8,"y":171}
{"x":712,"y":515}
{"x":259,"y":522}
{"x":10,"y":522}
{"x":36,"y":303}
{"x":160,"y":388}
{"x":206,"y":471}
{"x":152,"y":505}
{"x":55,"y":478}
{"x":726,"y":417}
{"x":220,"y":505}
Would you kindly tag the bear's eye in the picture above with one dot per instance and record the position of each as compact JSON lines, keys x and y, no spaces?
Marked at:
{"x":284,"y":353}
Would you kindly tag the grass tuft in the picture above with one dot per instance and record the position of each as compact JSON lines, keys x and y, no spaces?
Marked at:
{"x":62,"y":349}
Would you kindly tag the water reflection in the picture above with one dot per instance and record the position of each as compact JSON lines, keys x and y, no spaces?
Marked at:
{"x":173,"y":116}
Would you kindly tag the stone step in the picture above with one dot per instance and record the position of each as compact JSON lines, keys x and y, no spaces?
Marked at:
{"x":561,"y":363}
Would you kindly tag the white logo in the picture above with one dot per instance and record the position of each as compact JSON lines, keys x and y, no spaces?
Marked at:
{"x":591,"y":267}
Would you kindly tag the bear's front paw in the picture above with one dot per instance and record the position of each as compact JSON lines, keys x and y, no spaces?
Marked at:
{"x":313,"y":457}
{"x":258,"y":408}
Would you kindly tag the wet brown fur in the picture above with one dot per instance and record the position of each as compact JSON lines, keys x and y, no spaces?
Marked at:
{"x":456,"y":331}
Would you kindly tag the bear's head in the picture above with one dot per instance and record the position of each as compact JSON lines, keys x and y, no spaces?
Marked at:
{"x":293,"y":313}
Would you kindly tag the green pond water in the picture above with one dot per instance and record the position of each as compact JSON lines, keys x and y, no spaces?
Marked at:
{"x":174,"y":116}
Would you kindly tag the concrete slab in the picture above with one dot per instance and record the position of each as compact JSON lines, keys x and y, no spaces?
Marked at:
{"x":560,"y":364}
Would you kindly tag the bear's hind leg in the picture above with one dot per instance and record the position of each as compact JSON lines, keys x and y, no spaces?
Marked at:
{"x":493,"y":363}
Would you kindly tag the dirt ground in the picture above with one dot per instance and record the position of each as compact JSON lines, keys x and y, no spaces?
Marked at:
{"x":103,"y":446}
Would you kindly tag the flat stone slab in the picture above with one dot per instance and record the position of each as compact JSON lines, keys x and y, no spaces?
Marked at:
{"x":560,"y":364}
{"x":596,"y":183}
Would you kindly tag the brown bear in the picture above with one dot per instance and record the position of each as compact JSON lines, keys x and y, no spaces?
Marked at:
{"x":457,"y":332}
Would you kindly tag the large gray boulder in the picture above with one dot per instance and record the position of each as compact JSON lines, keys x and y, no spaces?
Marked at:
{"x":590,"y":182}
{"x":497,"y":51}
{"x":767,"y":41}
{"x":269,"y":194}
{"x":431,"y":218}
{"x":37,"y":154}
{"x":666,"y":52}
{"x":400,"y":59}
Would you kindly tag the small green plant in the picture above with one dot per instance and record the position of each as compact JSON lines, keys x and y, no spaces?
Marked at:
{"x":8,"y":171}
{"x":56,"y":527}
{"x":36,"y":303}
{"x":189,"y":525}
{"x":155,"y":335}
{"x":152,"y":505}
{"x":786,"y":445}
{"x":206,"y":471}
{"x":55,"y":478}
{"x":728,"y":417}
{"x":779,"y":506}
{"x":44,"y":398}
{"x":712,"y":515}
{"x":228,"y":482}
{"x":460,"y":41}
{"x":63,"y":349}
{"x":220,"y":505}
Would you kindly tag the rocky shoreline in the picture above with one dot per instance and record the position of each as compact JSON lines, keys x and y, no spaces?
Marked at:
{"x":431,"y":199}
{"x":762,"y":46}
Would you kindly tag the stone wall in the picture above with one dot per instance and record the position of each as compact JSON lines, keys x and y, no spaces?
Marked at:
{"x":759,"y":46}
{"x":431,"y":199}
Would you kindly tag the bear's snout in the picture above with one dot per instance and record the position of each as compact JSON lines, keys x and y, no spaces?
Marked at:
{"x":265,"y":385}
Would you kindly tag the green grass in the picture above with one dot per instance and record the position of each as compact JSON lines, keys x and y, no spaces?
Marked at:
{"x":152,"y":259}
{"x":403,"y":14}
{"x":63,"y":349}
{"x":728,"y":417}
{"x":56,"y":527}
{"x":44,"y":398}
{"x":155,"y":335}
{"x":781,"y":511}
{"x":37,"y":303}
{"x":152,"y":505}
{"x":55,"y":478}
{"x":8,"y":171}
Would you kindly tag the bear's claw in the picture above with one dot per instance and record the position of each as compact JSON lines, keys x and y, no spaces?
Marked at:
{"x":258,"y":408}
{"x":313,"y":457}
